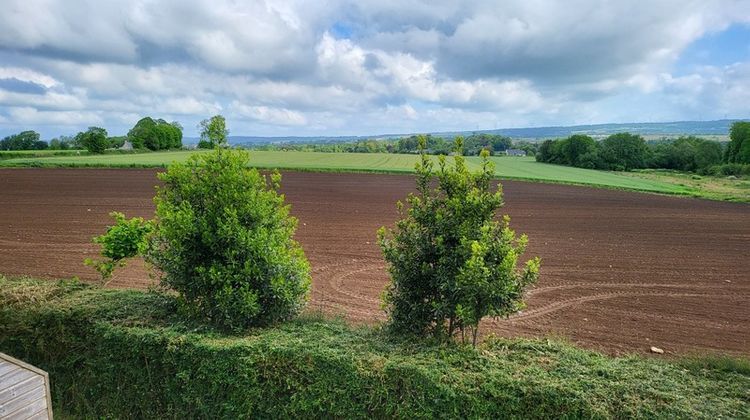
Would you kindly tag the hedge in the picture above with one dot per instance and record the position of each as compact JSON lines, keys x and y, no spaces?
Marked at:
{"x":128,"y":354}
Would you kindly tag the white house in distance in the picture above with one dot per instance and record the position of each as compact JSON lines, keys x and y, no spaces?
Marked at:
{"x":515,"y":152}
{"x":24,"y":390}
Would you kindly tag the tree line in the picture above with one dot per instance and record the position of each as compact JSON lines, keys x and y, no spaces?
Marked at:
{"x":626,"y":151}
{"x":147,"y":134}
{"x":435,"y":145}
{"x":25,"y":140}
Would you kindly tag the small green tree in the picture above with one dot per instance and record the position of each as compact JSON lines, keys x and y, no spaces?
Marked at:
{"x":94,"y":139}
{"x":224,"y":240}
{"x":213,"y":132}
{"x":127,"y":238}
{"x":451,"y":263}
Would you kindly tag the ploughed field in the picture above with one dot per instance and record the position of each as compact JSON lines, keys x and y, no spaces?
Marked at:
{"x":621,"y":271}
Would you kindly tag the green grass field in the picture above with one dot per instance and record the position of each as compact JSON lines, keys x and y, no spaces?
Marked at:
{"x":16,"y":154}
{"x":525,"y":168}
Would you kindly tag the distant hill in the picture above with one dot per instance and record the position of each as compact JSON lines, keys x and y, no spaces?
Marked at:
{"x":718,"y":128}
{"x":706,"y":128}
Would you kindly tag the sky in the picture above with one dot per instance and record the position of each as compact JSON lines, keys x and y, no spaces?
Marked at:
{"x":328,"y":67}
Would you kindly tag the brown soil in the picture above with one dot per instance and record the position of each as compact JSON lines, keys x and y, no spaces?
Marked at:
{"x":621,"y":271}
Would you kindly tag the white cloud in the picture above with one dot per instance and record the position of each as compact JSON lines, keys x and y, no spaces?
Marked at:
{"x":28,"y":115}
{"x":28,"y":75}
{"x":282,"y":67}
{"x":269,"y":115}
{"x":48,"y":100}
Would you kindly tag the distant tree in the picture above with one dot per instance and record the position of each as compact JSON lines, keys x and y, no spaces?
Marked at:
{"x":576,"y":147}
{"x":94,"y":139}
{"x":544,"y":154}
{"x":25,"y":140}
{"x":624,"y":151}
{"x":493,"y":143}
{"x":64,"y":143}
{"x":708,"y":153}
{"x":738,"y":150}
{"x":214,"y":132}
{"x":686,"y":154}
{"x":155,"y":134}
{"x":407,"y":144}
{"x":142,"y":131}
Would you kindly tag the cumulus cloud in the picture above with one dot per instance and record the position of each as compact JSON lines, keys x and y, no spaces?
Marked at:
{"x":268,"y":115}
{"x":343,"y":67}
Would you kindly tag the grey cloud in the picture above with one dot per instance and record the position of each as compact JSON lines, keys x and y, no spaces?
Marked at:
{"x":280,"y":63}
{"x":14,"y":85}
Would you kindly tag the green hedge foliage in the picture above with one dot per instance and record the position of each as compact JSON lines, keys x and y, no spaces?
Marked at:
{"x":123,"y":354}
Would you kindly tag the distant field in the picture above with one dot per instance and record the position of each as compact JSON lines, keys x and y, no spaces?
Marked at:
{"x":711,"y":187}
{"x":14,"y":154}
{"x":505,"y":167}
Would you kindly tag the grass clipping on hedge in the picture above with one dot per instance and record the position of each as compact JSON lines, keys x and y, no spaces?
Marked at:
{"x":123,"y":354}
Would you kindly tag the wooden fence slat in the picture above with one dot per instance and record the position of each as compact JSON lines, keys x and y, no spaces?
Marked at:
{"x":41,"y":415}
{"x":22,"y":401}
{"x":12,"y":368}
{"x":6,"y":367}
{"x":24,"y":390}
{"x":20,"y":388}
{"x":25,"y":412}
{"x":14,"y":378}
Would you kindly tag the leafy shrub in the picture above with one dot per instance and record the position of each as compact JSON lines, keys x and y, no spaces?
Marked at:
{"x":125,"y":239}
{"x":727,"y":169}
{"x":451,"y":263}
{"x":223,"y":240}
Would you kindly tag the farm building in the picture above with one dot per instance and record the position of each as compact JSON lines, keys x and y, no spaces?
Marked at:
{"x":24,"y":390}
{"x":515,"y":152}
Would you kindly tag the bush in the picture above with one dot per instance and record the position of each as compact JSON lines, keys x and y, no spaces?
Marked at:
{"x":451,"y":263}
{"x":125,"y":239}
{"x":223,"y":240}
{"x":727,"y":169}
